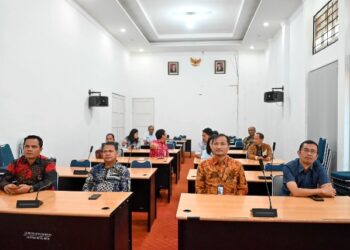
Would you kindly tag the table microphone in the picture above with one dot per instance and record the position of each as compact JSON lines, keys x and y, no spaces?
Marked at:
{"x":84,"y":172}
{"x":273,"y":152}
{"x":264,"y":212}
{"x":32,"y":203}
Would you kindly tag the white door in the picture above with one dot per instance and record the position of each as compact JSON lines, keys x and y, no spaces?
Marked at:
{"x":118,"y":116}
{"x":143,"y":114}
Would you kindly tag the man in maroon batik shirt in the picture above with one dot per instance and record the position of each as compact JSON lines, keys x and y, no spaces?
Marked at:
{"x":159,"y":147}
{"x":30,"y":172}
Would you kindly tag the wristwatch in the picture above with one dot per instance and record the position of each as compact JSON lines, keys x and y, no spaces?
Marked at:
{"x":31,"y":190}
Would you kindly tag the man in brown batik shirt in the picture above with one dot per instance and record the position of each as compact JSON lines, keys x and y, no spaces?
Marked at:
{"x":221,"y":174}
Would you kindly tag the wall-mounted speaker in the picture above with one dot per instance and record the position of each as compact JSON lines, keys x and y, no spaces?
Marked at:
{"x":98,"y":101}
{"x":273,"y":96}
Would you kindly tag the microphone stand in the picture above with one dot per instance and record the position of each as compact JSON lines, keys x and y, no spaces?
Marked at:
{"x":32,"y":203}
{"x":273,"y":153}
{"x":264,"y":212}
{"x":84,"y":172}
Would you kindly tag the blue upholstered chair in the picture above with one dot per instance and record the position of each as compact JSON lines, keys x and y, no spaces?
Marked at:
{"x":77,"y":163}
{"x":141,"y":164}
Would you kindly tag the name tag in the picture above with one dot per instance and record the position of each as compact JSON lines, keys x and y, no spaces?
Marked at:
{"x":220,"y":190}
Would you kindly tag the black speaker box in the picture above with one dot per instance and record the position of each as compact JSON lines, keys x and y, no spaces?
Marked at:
{"x":98,"y":101}
{"x":273,"y":96}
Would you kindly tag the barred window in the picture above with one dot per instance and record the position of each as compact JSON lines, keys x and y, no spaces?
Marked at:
{"x":326,"y":26}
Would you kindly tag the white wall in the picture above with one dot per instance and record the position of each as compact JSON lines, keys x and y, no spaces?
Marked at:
{"x":289,"y":59}
{"x":179,"y":107}
{"x":52,"y":53}
{"x":282,"y":64}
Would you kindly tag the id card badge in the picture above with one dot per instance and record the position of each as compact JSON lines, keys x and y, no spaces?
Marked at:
{"x":220,"y":189}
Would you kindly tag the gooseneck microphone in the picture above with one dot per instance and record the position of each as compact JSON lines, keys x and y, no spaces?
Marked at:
{"x":32,"y":203}
{"x":273,"y":153}
{"x":264,"y":212}
{"x":84,"y":172}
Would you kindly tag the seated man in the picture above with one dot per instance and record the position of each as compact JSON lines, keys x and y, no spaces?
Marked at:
{"x":149,"y":136}
{"x":259,"y":150}
{"x":109,"y":176}
{"x":305,"y":176}
{"x":31,"y":172}
{"x":158,"y":147}
{"x":221,"y":174}
{"x":202,"y":146}
{"x":249,"y":140}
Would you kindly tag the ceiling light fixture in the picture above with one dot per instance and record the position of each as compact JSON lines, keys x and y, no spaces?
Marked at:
{"x":252,"y":47}
{"x":122,"y":30}
{"x":141,"y":49}
{"x":190,"y":16}
{"x":266,"y":24}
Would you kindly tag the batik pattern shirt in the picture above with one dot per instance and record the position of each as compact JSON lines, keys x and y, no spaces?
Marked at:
{"x":114,"y":179}
{"x":263,"y":150}
{"x":41,"y":174}
{"x":229,"y":173}
{"x":247,"y":142}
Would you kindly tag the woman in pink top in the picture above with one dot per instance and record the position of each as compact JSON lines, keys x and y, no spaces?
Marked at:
{"x":158,"y":148}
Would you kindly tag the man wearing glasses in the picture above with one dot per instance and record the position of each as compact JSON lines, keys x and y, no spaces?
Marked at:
{"x":305,"y":176}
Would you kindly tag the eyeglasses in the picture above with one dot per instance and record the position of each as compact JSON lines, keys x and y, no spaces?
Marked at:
{"x":311,"y":151}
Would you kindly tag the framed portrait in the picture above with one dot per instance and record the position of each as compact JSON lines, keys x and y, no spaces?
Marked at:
{"x":220,"y":67}
{"x":173,"y":68}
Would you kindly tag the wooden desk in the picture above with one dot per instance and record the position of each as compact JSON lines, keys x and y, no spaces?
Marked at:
{"x":221,"y":222}
{"x":142,"y":185}
{"x":256,"y":186}
{"x":249,"y":165}
{"x":66,"y":220}
{"x":237,"y":153}
{"x":163,"y":175}
{"x":176,"y":153}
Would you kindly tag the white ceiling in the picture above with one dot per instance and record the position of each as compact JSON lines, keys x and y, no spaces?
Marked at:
{"x":190,"y":25}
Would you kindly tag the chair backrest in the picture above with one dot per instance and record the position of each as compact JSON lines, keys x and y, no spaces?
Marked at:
{"x":239,"y":145}
{"x":77,"y":163}
{"x":170,"y":145}
{"x":141,"y":164}
{"x":277,"y":183}
{"x":269,"y":167}
{"x":6,"y":156}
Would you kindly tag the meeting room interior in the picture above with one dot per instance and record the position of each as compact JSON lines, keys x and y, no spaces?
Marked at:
{"x":225,"y":124}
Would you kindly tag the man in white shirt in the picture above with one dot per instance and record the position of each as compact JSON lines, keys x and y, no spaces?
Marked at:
{"x":149,"y":136}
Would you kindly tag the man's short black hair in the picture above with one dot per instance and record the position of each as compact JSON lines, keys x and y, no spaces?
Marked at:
{"x":208,"y":131}
{"x":261,"y":135}
{"x":214,"y":137}
{"x":307,"y":142}
{"x":34,"y":137}
{"x":160,"y":133}
{"x":112,"y":144}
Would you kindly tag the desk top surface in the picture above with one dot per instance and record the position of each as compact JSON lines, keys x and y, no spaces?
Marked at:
{"x":63,"y":203}
{"x":246,"y":161}
{"x":290,"y":209}
{"x":135,"y":173}
{"x":237,"y":151}
{"x":251,"y":176}
{"x":146,"y":151}
{"x":127,"y":160}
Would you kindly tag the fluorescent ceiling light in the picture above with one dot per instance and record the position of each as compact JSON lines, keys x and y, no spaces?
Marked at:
{"x":266,"y":24}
